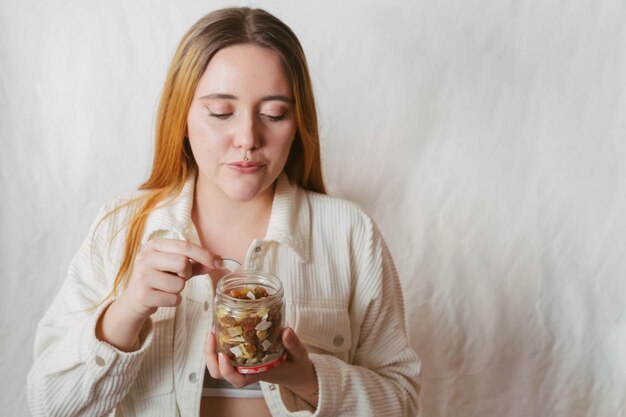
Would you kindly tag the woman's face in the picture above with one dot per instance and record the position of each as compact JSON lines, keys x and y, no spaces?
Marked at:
{"x":242,"y":109}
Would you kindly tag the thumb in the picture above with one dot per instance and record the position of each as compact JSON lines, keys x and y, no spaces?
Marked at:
{"x":294,"y":346}
{"x":198,"y":268}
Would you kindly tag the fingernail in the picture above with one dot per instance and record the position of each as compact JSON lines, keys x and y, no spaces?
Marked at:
{"x":217,"y":264}
{"x":221,"y":357}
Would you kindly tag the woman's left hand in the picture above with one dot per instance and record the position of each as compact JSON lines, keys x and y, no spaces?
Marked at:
{"x":296,"y":373}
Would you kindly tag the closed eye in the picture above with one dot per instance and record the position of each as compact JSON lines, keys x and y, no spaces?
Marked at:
{"x":275,"y":118}
{"x":219,"y":115}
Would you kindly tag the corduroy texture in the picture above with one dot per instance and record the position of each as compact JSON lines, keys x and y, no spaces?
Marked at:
{"x":342,"y":298}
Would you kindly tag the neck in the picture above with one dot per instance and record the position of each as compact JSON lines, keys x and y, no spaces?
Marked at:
{"x":216,"y":215}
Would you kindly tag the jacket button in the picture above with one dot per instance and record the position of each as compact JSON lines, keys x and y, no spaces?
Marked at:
{"x":338,"y":340}
{"x":272,"y":387}
{"x":193,"y":377}
{"x":206,"y":305}
{"x":258,"y":249}
{"x":100,"y":361}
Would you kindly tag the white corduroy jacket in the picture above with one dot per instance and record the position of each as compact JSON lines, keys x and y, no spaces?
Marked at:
{"x":342,"y":297}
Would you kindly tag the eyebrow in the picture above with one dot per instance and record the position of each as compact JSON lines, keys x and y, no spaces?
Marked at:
{"x":232,"y":97}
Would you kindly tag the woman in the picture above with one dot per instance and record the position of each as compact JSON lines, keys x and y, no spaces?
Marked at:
{"x":237,"y":175}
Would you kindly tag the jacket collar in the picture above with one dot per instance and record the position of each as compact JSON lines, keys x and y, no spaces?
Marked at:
{"x":289,"y":220}
{"x":172,"y":214}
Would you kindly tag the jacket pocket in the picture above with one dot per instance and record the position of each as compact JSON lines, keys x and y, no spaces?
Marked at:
{"x":324,"y":329}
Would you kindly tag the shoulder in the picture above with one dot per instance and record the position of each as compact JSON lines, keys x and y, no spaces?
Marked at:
{"x":110,"y":226}
{"x":118,"y":210}
{"x":340,"y":215}
{"x":344,"y":230}
{"x":155,"y":209}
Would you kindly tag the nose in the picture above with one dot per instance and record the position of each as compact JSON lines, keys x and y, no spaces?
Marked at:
{"x":248,"y":135}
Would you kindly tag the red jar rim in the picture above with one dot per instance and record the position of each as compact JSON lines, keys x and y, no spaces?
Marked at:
{"x":257,"y":369}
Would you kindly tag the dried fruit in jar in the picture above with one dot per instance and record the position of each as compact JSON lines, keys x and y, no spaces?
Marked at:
{"x":250,"y":336}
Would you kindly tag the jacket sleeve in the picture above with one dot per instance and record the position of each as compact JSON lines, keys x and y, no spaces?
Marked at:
{"x":75,"y":374}
{"x":381,"y":380}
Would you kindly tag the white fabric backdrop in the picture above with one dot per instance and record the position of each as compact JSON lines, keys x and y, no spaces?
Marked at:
{"x":485,"y":137}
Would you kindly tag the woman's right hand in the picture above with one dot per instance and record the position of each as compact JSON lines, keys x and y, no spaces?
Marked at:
{"x":160,"y":272}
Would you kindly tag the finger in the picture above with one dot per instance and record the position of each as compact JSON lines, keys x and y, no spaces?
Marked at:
{"x":184,"y":247}
{"x":230,"y":374}
{"x":171,"y":262}
{"x":210,"y":355}
{"x":295,"y":348}
{"x":200,"y":269}
{"x":166,"y":282}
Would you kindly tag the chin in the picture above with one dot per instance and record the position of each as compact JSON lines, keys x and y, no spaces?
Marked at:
{"x":243,"y":192}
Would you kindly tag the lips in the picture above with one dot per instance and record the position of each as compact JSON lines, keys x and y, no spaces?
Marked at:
{"x":245,"y":164}
{"x":246,"y":167}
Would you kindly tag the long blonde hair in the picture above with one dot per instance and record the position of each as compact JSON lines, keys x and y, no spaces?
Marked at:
{"x":173,"y":161}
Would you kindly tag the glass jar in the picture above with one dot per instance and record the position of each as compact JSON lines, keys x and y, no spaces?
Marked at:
{"x":249,"y":311}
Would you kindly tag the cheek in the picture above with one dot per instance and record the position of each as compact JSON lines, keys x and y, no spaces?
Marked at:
{"x":289,"y":142}
{"x":285,"y":139}
{"x":203,"y":138}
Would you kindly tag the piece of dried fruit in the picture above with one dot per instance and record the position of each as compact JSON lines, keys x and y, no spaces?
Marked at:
{"x":235,"y":331}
